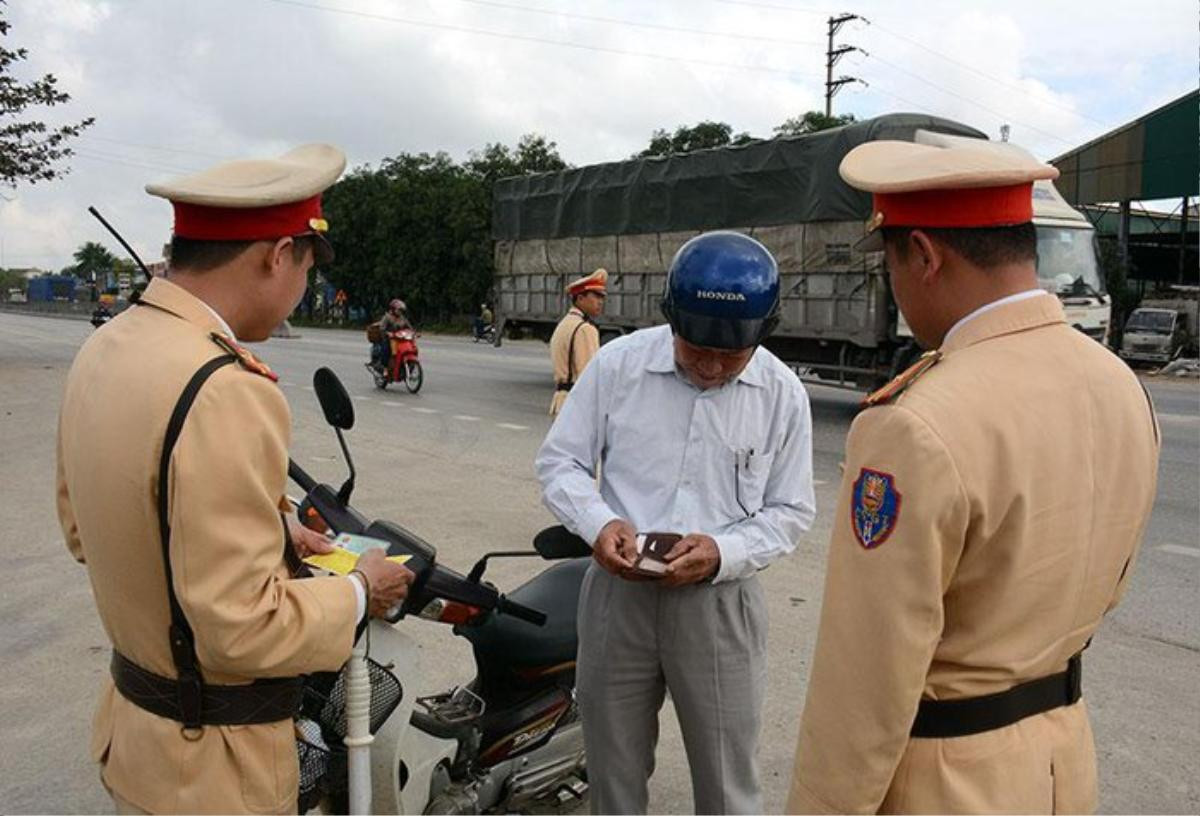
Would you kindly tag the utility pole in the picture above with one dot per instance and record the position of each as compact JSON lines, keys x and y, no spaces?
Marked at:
{"x":832,"y":56}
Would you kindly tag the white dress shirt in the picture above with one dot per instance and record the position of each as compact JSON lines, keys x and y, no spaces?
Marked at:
{"x":987,"y":307}
{"x":733,"y":462}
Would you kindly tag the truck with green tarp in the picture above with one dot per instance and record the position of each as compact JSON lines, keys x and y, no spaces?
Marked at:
{"x":839,"y":322}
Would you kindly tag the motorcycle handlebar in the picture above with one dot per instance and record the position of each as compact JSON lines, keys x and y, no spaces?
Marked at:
{"x":432,"y":578}
{"x":516,"y":610}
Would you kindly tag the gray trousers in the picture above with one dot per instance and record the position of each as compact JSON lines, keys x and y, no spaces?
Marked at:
{"x":706,"y":644}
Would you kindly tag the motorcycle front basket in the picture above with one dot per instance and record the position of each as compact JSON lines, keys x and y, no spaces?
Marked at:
{"x":325,"y":699}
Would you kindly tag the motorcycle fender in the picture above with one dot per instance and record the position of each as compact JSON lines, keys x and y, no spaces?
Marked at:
{"x":397,"y":744}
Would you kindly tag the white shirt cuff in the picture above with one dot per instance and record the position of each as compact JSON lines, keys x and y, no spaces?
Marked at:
{"x":593,"y":522}
{"x":733,"y":558}
{"x":360,"y":597}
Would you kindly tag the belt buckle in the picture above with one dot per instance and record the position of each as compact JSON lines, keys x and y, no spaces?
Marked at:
{"x":1074,"y":679}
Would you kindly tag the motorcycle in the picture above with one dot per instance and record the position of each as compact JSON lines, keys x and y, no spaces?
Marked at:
{"x":100,"y":316}
{"x":403,"y":366}
{"x":484,"y":334}
{"x":509,"y":739}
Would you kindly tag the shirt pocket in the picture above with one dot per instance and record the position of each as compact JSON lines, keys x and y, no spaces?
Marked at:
{"x":751,"y":472}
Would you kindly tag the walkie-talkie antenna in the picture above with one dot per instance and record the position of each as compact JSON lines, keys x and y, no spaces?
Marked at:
{"x":124,"y":243}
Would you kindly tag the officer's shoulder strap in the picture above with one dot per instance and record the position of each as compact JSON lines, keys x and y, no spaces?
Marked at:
{"x":903,"y":380}
{"x":244,"y":358}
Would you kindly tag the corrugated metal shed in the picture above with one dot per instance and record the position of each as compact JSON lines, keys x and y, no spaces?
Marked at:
{"x":1154,"y":157}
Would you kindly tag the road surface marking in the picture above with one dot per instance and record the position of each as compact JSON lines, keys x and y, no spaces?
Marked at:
{"x":1194,"y":552}
{"x":820,"y":482}
{"x":466,"y":417}
{"x":421,"y":410}
{"x":394,"y":404}
{"x":307,"y":387}
{"x":361,"y":398}
{"x":1185,"y":419}
{"x":509,"y":426}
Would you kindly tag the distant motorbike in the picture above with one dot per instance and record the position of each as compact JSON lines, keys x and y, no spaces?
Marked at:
{"x":100,"y":316}
{"x":485,"y":334}
{"x":508,"y":740}
{"x":403,"y":367}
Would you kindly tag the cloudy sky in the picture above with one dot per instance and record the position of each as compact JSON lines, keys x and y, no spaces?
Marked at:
{"x":175,"y":85}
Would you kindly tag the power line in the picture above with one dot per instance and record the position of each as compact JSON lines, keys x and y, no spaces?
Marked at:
{"x":530,"y":38}
{"x":617,"y":21}
{"x":796,"y":9}
{"x":968,"y":100}
{"x":154,"y":147}
{"x":982,"y":73}
{"x":87,"y":153}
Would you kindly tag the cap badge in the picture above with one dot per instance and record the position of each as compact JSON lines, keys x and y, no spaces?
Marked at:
{"x":874,"y":222}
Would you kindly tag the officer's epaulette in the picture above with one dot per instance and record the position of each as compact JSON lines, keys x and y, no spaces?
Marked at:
{"x":247,"y":360}
{"x":910,"y":375}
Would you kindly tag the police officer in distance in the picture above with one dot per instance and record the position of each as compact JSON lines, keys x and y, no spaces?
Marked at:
{"x":705,"y":434}
{"x":186,"y":540}
{"x":993,"y":501}
{"x":576,"y":338}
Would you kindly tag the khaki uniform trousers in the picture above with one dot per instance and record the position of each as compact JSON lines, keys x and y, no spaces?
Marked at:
{"x":1041,"y":764}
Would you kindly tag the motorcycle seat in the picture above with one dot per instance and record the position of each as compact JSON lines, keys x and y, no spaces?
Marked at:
{"x":508,"y":641}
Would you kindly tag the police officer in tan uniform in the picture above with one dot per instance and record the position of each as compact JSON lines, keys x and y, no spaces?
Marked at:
{"x":576,"y":339}
{"x":993,"y":502}
{"x":181,"y":524}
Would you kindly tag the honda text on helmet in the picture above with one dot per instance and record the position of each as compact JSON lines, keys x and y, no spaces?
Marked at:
{"x":722,"y":291}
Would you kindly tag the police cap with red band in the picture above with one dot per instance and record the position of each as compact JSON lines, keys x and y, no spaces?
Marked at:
{"x":962,"y":185}
{"x":257,"y":199}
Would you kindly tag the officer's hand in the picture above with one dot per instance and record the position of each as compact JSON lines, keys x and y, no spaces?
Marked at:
{"x":694,"y":558}
{"x":616,"y":546}
{"x":389,"y":581}
{"x":306,"y":542}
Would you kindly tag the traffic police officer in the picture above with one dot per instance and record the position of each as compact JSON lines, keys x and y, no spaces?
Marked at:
{"x":993,"y":502}
{"x":180,"y":523}
{"x":576,"y":339}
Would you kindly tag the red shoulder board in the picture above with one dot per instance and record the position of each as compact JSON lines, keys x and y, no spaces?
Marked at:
{"x":893,"y":389}
{"x":247,"y":360}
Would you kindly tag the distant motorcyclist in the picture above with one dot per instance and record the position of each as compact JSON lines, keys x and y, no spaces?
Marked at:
{"x":394,"y":319}
{"x":483,"y":320}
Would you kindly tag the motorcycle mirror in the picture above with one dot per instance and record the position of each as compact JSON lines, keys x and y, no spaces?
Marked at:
{"x":335,"y":402}
{"x":559,"y":542}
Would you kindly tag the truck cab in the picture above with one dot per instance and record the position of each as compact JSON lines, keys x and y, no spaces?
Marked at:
{"x":1066,"y":247}
{"x":1154,"y":335}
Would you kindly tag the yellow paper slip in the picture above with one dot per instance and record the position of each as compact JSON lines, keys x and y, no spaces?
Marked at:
{"x":342,"y":561}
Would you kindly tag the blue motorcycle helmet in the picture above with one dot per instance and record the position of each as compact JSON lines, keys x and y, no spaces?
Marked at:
{"x":722,"y":291}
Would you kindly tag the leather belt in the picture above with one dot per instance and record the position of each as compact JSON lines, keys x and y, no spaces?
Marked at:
{"x":263,"y":701}
{"x":974,"y":715}
{"x":563,"y":386}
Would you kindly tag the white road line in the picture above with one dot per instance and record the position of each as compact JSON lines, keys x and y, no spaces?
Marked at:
{"x":421,"y":410}
{"x":466,"y":417}
{"x":286,"y":383}
{"x":307,"y":387}
{"x":394,"y":404}
{"x":819,"y":482}
{"x":1194,"y":552}
{"x":361,"y":398}
{"x":511,"y":427}
{"x":1181,"y":419}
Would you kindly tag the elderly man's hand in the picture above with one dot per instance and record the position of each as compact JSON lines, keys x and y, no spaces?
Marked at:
{"x":694,"y":558}
{"x":616,"y":546}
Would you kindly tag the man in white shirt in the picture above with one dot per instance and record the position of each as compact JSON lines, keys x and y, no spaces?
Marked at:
{"x":702,"y":433}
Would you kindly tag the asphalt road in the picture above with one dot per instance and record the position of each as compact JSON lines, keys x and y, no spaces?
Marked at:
{"x":454,"y":464}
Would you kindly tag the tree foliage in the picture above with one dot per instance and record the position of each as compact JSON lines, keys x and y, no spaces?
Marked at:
{"x":811,"y":122}
{"x":700,"y":136}
{"x":418,"y":227}
{"x":93,"y":261}
{"x":29,"y":150}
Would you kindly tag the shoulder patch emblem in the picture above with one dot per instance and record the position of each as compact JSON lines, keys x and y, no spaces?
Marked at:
{"x":896,"y":387}
{"x":245,"y":359}
{"x":874,"y":507}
